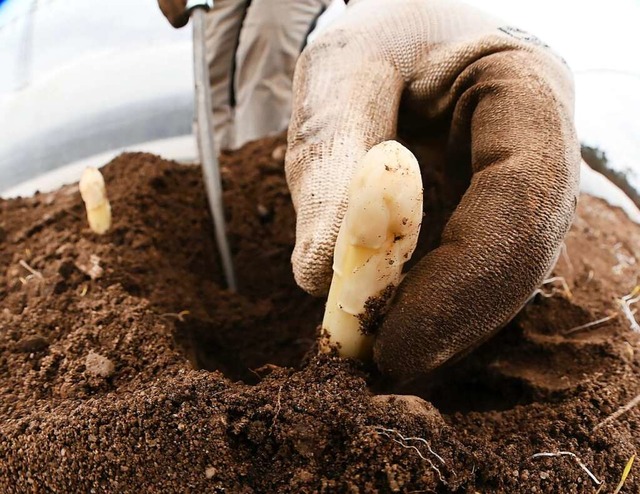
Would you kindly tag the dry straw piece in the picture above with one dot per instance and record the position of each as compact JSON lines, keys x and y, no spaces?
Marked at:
{"x":94,"y":195}
{"x":378,"y":234}
{"x":625,"y":474}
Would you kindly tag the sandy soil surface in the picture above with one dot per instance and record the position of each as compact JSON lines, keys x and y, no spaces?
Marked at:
{"x":126,"y":367}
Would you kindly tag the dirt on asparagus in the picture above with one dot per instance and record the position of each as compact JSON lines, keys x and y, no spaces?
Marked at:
{"x":125,"y":366}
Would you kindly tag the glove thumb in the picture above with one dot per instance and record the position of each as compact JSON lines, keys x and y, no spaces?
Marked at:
{"x":345,"y":100}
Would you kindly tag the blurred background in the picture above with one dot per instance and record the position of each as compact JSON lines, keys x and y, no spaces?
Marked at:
{"x":82,"y":81}
{"x":79,"y":78}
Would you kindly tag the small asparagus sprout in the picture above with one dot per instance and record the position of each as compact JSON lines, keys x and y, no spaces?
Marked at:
{"x":94,"y":195}
{"x":378,"y":234}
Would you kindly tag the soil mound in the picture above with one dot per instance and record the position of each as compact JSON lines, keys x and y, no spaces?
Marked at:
{"x":126,"y":367}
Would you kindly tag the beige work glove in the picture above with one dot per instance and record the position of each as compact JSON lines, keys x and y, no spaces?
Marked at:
{"x":175,"y":11}
{"x":490,"y":100}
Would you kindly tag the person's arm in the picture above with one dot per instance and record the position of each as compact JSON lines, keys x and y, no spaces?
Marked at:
{"x":503,"y":104}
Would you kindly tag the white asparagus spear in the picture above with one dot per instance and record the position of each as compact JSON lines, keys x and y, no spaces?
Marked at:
{"x":378,"y":234}
{"x":94,"y":195}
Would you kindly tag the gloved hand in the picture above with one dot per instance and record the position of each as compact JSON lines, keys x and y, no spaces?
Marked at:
{"x":175,"y":11}
{"x":491,"y":101}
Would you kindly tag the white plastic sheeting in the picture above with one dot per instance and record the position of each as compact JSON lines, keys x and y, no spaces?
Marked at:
{"x":183,"y":148}
{"x":99,"y":77}
{"x":79,"y":78}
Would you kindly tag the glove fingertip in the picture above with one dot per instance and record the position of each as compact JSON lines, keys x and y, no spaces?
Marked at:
{"x":312,"y":268}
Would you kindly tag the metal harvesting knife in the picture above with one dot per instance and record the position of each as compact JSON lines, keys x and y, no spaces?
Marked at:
{"x":204,"y":128}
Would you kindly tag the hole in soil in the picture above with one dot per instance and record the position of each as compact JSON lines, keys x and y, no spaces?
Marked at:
{"x":268,"y":321}
{"x":239,"y":340}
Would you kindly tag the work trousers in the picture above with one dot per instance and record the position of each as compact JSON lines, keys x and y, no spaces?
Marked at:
{"x":252,"y":48}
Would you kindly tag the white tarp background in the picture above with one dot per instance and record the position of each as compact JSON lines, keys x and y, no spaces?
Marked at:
{"x":79,"y":78}
{"x":61,"y":33}
{"x":600,"y":42}
{"x":82,"y":78}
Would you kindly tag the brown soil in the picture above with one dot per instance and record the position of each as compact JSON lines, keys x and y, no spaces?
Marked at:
{"x":98,"y":391}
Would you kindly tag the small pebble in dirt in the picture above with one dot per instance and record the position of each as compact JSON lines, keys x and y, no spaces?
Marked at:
{"x":90,"y":265}
{"x":544,"y":475}
{"x":32,"y":344}
{"x":99,"y":366}
{"x":210,"y":472}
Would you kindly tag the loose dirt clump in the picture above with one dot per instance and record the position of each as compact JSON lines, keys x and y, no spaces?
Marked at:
{"x":126,"y":367}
